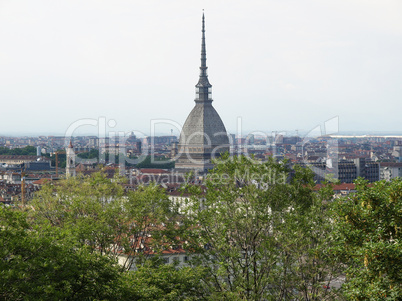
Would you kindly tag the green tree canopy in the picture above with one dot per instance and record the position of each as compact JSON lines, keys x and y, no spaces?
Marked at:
{"x":158,"y":163}
{"x":103,"y":216}
{"x":261,"y":236}
{"x":368,"y":226}
{"x":155,"y":281}
{"x":46,"y":264}
{"x":28,"y":150}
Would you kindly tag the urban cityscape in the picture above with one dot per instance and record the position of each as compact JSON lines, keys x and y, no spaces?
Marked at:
{"x":373,"y":158}
{"x":205,"y":209}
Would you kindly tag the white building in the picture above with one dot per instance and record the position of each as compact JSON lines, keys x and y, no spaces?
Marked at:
{"x":390,"y":170}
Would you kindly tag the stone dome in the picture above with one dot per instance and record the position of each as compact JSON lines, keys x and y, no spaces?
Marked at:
{"x":203,"y":126}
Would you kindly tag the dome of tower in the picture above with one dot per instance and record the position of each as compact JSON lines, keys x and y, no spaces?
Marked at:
{"x":204,"y":126}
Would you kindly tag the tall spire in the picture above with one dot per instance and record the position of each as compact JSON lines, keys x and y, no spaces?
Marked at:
{"x":203,"y":87}
{"x":203,"y":50}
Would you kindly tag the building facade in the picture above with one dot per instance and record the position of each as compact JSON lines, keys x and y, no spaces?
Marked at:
{"x":390,"y":170}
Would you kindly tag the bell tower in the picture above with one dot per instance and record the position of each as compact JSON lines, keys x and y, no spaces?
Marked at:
{"x":70,"y":164}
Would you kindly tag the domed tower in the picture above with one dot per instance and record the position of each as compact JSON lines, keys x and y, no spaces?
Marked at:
{"x":203,"y":136}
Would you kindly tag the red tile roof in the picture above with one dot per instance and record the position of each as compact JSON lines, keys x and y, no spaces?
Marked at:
{"x":342,"y":186}
{"x":153,"y":171}
{"x":41,"y":181}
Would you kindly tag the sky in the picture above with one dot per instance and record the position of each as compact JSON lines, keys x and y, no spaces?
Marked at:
{"x":75,"y":65}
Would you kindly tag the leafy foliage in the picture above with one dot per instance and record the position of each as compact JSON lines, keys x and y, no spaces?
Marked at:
{"x":252,"y":234}
{"x":102,"y":216}
{"x":261,"y":237}
{"x":26,"y":151}
{"x":61,"y":158}
{"x":92,"y":154}
{"x":369,"y":228}
{"x":141,"y":162}
{"x":165,"y":282}
{"x":158,"y":163}
{"x":67,"y":246}
{"x":45,"y":264}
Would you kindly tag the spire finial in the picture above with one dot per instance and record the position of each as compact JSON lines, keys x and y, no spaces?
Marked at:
{"x":203,"y":86}
{"x":203,"y":48}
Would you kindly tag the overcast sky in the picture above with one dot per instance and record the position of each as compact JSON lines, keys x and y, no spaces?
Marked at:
{"x":279,"y":65}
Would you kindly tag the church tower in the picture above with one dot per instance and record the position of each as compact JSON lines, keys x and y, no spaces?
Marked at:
{"x":70,"y":164}
{"x":203,"y":136}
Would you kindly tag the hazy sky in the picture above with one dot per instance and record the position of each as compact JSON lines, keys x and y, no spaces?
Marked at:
{"x":279,"y":65}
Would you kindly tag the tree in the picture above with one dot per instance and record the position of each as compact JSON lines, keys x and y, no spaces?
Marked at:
{"x":128,"y":226}
{"x":158,"y":163}
{"x":67,"y":244}
{"x":368,"y":225}
{"x":165,"y":282}
{"x":46,"y":264}
{"x":61,"y":158}
{"x":260,"y":236}
{"x":28,"y":150}
{"x":92,"y":154}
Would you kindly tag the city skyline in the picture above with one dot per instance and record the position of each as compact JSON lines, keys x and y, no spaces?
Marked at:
{"x":280,"y":66}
